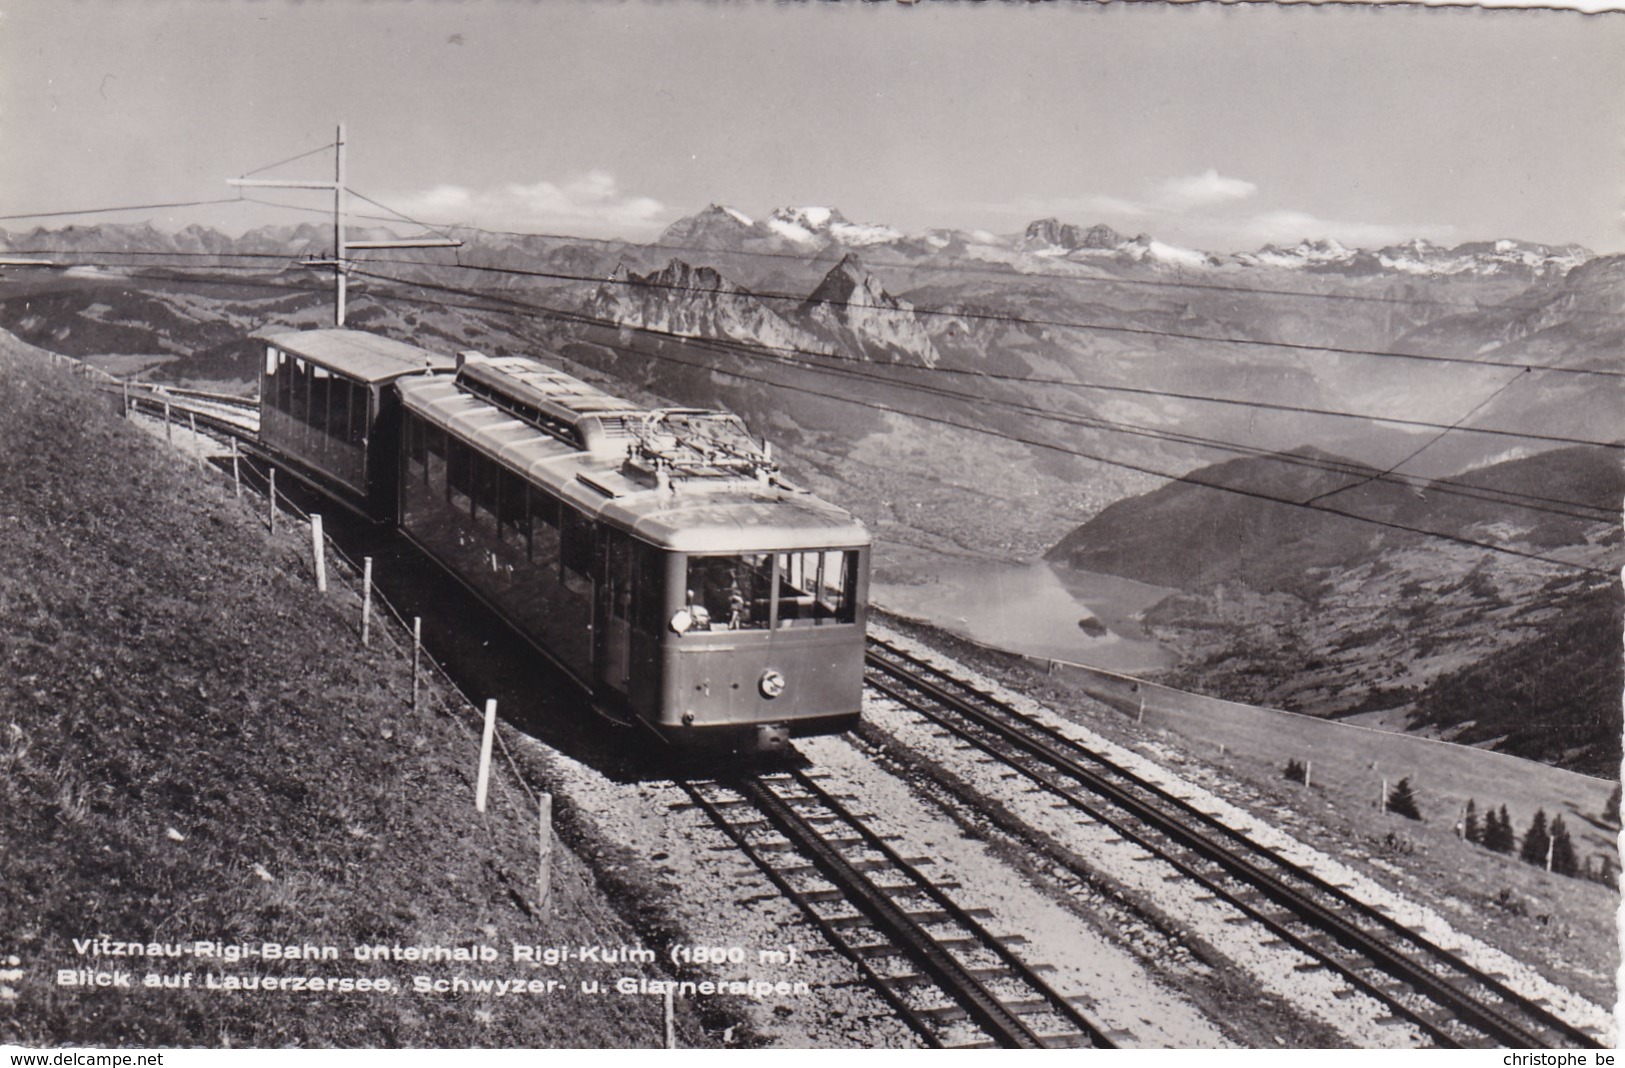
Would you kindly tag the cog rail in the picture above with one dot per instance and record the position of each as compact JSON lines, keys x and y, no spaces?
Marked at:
{"x":1448,"y":999}
{"x":904,"y":933}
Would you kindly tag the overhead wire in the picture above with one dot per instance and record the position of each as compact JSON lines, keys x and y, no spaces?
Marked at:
{"x":1420,"y":449}
{"x":290,"y":159}
{"x":754,"y":351}
{"x":122,"y":207}
{"x":992,"y":269}
{"x":1186,"y":478}
{"x":970,"y":315}
{"x":997,"y":376}
{"x":1364,"y":472}
{"x":399,"y":215}
{"x":936,"y":268}
{"x":1016,"y":320}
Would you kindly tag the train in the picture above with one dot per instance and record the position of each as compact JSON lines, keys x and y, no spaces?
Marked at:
{"x":657,"y":556}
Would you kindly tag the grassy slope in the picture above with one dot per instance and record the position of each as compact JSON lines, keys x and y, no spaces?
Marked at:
{"x":193,"y":746}
{"x":1564,"y":927}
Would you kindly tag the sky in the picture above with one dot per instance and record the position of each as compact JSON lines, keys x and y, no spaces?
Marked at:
{"x":1218,"y":128}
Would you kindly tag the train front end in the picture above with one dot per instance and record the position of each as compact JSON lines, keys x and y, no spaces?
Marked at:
{"x":761,"y":628}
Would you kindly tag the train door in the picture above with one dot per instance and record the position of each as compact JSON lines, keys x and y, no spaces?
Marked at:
{"x":614,"y":609}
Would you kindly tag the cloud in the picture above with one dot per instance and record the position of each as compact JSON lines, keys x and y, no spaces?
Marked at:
{"x":1203,"y":190}
{"x":1287,"y":227}
{"x":1165,"y":199}
{"x":592,"y":203}
{"x":1064,"y":207}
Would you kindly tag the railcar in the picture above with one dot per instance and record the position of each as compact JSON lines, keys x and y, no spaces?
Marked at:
{"x":657,"y":556}
{"x":328,"y":409}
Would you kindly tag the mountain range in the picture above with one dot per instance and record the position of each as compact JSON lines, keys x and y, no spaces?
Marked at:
{"x":1062,"y":389}
{"x":825,"y":231}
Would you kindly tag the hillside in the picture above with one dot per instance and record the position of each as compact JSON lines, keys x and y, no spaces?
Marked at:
{"x":1191,"y":533}
{"x":195,"y":747}
{"x":1409,"y":626}
{"x":985,"y":395}
{"x":1551,"y":696}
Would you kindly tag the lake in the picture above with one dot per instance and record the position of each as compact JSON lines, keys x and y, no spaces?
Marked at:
{"x":1031,"y":608}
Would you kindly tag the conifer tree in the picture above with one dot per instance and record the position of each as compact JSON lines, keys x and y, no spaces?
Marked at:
{"x":1564,"y":862}
{"x":1470,"y":829}
{"x":1535,"y":841}
{"x":1497,"y":835}
{"x":1402,"y":800}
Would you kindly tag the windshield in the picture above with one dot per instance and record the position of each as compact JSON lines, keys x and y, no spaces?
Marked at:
{"x":764,"y":591}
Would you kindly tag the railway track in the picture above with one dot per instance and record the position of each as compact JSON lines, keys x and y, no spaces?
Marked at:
{"x":216,"y":413}
{"x":979,"y":981}
{"x":950,"y":978}
{"x":1448,"y":999}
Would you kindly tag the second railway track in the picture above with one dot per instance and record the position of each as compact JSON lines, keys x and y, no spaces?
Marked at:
{"x":1444,"y":996}
{"x":998,"y":995}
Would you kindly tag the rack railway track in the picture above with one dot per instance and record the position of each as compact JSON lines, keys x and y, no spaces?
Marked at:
{"x":1451,"y":1001}
{"x":900,"y":928}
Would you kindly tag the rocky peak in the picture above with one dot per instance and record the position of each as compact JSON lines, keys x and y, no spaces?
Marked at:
{"x":849,"y":281}
{"x":1052,"y":233}
{"x":715,"y":222}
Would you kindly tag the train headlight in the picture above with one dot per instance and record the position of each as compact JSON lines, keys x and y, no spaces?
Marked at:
{"x":771,"y":684}
{"x":681,"y":621}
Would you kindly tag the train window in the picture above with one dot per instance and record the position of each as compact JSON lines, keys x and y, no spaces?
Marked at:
{"x":338,"y":408}
{"x":730,"y":592}
{"x":651,"y":609}
{"x":513,"y":510}
{"x":299,"y":390}
{"x":544,"y":507}
{"x":544,"y":532}
{"x":485,"y":492}
{"x":817,"y":587}
{"x":434,"y":453}
{"x":271,"y":354}
{"x":618,"y":574}
{"x":459,"y":476}
{"x":575,"y":550}
{"x":284,"y":386}
{"x":414,"y":432}
{"x":359,"y":396}
{"x":412,"y":448}
{"x":320,"y":381}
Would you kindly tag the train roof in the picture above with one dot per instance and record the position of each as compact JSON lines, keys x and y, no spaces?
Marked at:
{"x":360,"y":355}
{"x":617,"y":475}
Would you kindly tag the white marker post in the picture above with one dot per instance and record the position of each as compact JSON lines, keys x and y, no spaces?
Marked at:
{"x":273,"y":500}
{"x":486,"y":738}
{"x":544,"y":878}
{"x":417,"y":655}
{"x":1308,"y":771}
{"x":169,"y":428}
{"x":366,"y":600}
{"x":236,"y":473}
{"x":318,"y":545}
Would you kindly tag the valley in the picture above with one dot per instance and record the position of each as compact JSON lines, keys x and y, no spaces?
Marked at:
{"x":1117,"y":406}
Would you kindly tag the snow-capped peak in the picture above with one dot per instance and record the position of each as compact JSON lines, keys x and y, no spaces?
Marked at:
{"x":809,"y":225}
{"x":1147,"y":248}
